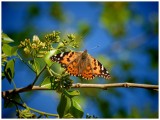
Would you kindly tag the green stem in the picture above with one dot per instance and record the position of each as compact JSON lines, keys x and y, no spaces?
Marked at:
{"x":14,"y":84}
{"x":38,"y":75}
{"x":35,"y":66}
{"x":40,"y":112}
{"x":51,"y":72}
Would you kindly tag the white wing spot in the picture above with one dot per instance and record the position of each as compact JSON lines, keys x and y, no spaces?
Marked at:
{"x":102,"y":68}
{"x":61,"y":54}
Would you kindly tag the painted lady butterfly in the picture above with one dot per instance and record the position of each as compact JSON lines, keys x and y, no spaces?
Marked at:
{"x":81,"y":64}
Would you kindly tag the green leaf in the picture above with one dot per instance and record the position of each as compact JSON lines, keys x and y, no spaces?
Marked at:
{"x":68,"y":115}
{"x":35,"y":65}
{"x":8,"y":103}
{"x":6,"y":39}
{"x":25,"y":113}
{"x":50,"y":83}
{"x":48,"y":55}
{"x":71,"y":94}
{"x":64,"y":106}
{"x":9,"y":70}
{"x":76,"y":109}
{"x":8,"y":50}
{"x":46,"y":81}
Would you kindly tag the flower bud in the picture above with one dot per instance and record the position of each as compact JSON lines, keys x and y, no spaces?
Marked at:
{"x":26,"y":50}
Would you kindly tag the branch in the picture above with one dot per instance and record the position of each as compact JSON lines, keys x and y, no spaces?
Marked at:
{"x":113,"y":85}
{"x":80,"y":85}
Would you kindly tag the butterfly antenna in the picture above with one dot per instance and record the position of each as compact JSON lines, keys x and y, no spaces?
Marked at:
{"x":95,"y":47}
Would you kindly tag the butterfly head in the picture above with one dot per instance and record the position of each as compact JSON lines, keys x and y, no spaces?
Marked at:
{"x":84,"y":54}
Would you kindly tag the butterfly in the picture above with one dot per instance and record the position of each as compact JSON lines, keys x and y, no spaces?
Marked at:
{"x":81,"y":64}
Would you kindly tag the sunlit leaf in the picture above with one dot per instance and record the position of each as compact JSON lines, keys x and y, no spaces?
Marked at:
{"x":48,"y":55}
{"x":6,"y":39}
{"x":8,"y":50}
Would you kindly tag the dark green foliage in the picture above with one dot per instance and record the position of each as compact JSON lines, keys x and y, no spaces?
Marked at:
{"x":68,"y":106}
{"x":56,"y":12}
{"x":10,"y":100}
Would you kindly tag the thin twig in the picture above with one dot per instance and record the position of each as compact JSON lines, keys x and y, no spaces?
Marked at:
{"x":39,"y":75}
{"x":27,"y":107}
{"x":80,"y":85}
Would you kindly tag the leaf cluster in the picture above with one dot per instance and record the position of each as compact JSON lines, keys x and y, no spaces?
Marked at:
{"x":35,"y":53}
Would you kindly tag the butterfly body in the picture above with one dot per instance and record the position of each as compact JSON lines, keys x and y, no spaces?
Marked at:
{"x":81,"y":64}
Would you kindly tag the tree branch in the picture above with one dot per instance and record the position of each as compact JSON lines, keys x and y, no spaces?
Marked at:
{"x":113,"y":85}
{"x":80,"y":85}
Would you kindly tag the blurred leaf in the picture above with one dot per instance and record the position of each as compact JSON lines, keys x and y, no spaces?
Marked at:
{"x":56,"y":12}
{"x":6,"y":39}
{"x":115,"y":23}
{"x":126,"y":65}
{"x":151,"y":27}
{"x":33,"y":11}
{"x":8,"y":50}
{"x":63,"y":106}
{"x":149,"y":113}
{"x":8,"y":103}
{"x":9,"y":70}
{"x":76,"y":109}
{"x":134,"y":113}
{"x":130,"y":79}
{"x":121,"y":113}
{"x":104,"y":107}
{"x":84,"y":29}
{"x":154,"y":57}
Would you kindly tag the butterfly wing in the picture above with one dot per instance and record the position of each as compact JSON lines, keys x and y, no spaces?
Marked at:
{"x":69,"y":60}
{"x":65,"y":58}
{"x":98,"y":69}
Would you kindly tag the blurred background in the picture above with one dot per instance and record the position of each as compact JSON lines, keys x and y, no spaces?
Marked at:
{"x":126,"y":34}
